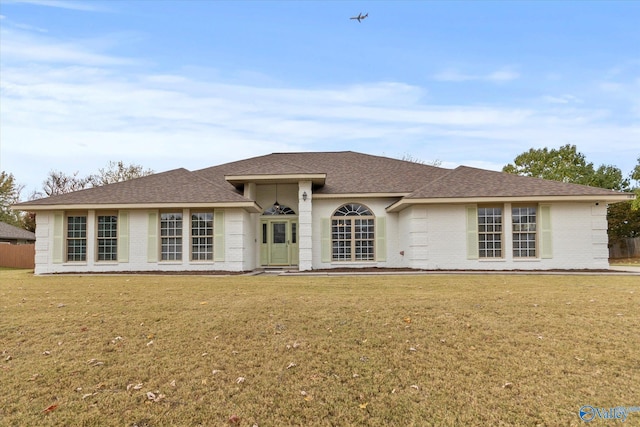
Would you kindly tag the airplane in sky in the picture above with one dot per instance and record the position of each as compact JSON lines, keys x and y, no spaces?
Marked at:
{"x":360,"y":16}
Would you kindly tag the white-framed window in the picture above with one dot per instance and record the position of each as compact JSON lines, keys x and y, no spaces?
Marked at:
{"x":353,"y":233}
{"x":77,"y":238}
{"x":524,"y":229}
{"x":202,"y":236}
{"x":107,"y":238}
{"x":490,"y":232}
{"x":171,"y":236}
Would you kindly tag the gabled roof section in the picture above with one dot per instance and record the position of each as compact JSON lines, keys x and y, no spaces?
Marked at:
{"x":271,"y":169}
{"x":175,"y":186}
{"x":10,"y":232}
{"x":347,"y":172}
{"x":470,"y":182}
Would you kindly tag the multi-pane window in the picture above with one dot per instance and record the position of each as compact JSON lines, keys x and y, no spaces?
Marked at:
{"x":107,"y":238}
{"x":524,"y":229}
{"x":490,"y":232}
{"x":171,"y":236}
{"x":202,"y":236}
{"x":353,"y":233}
{"x":76,"y":238}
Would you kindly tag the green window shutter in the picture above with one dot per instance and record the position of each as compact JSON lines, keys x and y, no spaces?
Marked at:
{"x":325,"y":240}
{"x":472,"y":232}
{"x":381,"y":239}
{"x":546,"y":249}
{"x":123,"y":236}
{"x":218,"y":236}
{"x":152,"y":238}
{"x":58,"y":238}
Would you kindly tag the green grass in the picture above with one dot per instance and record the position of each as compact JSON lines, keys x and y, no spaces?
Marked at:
{"x":441,"y":350}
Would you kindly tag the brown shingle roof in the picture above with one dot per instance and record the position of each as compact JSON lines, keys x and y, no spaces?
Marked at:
{"x":466,"y":182}
{"x":347,"y":172}
{"x":10,"y":232}
{"x":175,"y":186}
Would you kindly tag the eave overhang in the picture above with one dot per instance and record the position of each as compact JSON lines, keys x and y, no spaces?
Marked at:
{"x":250,"y":207}
{"x":358,"y":195}
{"x":318,"y":179}
{"x":610,"y":198}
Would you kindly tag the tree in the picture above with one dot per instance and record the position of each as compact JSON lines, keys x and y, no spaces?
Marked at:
{"x":9,"y":195}
{"x":60,"y":183}
{"x":410,"y":158}
{"x":635,"y":175}
{"x":566,"y":164}
{"x":117,"y":172}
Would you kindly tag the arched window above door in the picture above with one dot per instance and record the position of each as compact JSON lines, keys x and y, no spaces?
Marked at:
{"x":279,"y":210}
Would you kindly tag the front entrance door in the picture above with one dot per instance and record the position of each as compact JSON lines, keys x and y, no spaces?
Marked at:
{"x":279,"y":242}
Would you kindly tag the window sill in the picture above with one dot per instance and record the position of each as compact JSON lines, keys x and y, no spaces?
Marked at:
{"x":492,"y":260}
{"x":526,"y":259}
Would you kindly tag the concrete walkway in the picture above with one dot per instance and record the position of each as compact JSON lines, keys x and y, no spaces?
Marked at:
{"x":627,"y":268}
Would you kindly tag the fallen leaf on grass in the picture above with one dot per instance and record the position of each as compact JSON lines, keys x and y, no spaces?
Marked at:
{"x":364,"y":405}
{"x":50,"y":409}
{"x":134,"y":386}
{"x":155,"y":398}
{"x":46,"y":353}
{"x":507,"y":385}
{"x":204,"y":303}
{"x":240,"y":380}
{"x":407,"y":320}
{"x":291,"y":365}
{"x":172,"y":383}
{"x":234,"y":419}
{"x":415,"y":387}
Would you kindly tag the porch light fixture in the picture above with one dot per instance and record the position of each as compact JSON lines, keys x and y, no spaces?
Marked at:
{"x":304,"y":196}
{"x":276,"y":205}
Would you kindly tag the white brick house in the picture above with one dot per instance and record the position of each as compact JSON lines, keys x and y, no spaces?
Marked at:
{"x":312,"y":211}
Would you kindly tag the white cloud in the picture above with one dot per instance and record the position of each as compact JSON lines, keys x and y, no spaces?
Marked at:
{"x":64,"y":4}
{"x":20,"y":46}
{"x":454,"y":75}
{"x":74,"y":109}
{"x":562,"y":99}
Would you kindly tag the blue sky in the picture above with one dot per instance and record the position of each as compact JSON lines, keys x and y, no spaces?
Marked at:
{"x":169,"y":84}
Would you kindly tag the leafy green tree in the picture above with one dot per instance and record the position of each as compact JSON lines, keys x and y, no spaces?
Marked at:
{"x":9,"y":194}
{"x":566,"y":164}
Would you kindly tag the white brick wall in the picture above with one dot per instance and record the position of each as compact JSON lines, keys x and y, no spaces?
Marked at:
{"x":235,"y":244}
{"x":579,"y":239}
{"x":431,"y":237}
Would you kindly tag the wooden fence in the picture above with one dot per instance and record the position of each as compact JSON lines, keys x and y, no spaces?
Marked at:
{"x":17,"y":256}
{"x":625,"y":248}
